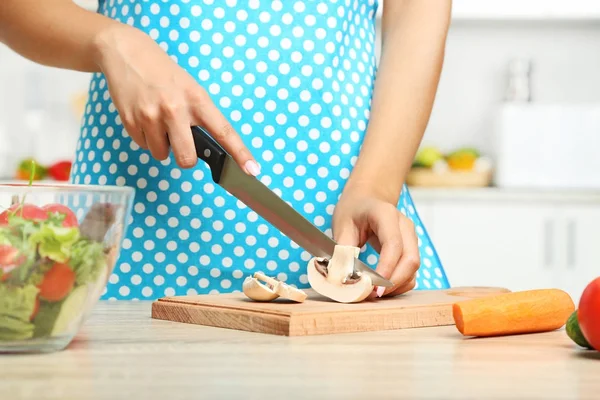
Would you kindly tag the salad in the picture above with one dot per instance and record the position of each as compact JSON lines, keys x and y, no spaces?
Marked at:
{"x":51,"y":268}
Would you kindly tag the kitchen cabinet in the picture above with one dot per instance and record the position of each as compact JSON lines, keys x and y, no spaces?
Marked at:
{"x":494,"y":243}
{"x":515,"y":239}
{"x":579,"y":236}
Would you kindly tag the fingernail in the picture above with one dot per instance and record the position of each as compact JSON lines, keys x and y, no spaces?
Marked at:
{"x":380,"y":291}
{"x":252,"y":167}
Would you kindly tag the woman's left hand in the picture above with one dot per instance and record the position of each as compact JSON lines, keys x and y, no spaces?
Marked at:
{"x":362,"y":216}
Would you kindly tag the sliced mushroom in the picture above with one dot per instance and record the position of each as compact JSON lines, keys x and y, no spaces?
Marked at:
{"x":257,"y":290}
{"x":283,"y":289}
{"x":336,"y":278}
{"x":270,"y":289}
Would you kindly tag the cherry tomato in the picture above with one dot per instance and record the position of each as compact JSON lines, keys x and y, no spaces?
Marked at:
{"x":589,"y":313}
{"x":25,"y":211}
{"x":57,"y":282}
{"x":70,"y":217}
{"x":9,"y":260}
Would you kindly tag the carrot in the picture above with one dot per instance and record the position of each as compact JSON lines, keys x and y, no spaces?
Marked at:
{"x":513,"y":313}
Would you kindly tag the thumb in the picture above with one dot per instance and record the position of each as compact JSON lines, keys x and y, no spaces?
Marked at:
{"x":347,"y":234}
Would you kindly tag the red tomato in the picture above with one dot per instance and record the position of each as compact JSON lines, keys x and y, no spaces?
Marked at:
{"x":9,"y":260}
{"x":588,"y":313}
{"x":26,"y":211}
{"x":60,"y":170}
{"x":70,"y":217}
{"x":57,"y":283}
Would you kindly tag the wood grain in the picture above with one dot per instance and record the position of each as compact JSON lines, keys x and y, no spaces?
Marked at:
{"x":317,"y":315}
{"x":121,"y":353}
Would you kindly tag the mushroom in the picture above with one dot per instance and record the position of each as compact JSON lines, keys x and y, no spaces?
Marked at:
{"x":271,"y":289}
{"x":337,"y":279}
{"x":258,"y":291}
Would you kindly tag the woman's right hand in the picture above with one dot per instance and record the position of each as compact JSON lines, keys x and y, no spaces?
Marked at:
{"x":158,"y":101}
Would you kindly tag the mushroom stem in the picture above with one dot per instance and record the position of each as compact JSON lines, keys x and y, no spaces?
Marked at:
{"x":271,"y":281}
{"x":343,"y":260}
{"x":337,"y":279}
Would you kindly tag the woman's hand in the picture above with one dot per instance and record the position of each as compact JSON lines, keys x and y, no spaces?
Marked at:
{"x":362,"y":216}
{"x":158,"y":101}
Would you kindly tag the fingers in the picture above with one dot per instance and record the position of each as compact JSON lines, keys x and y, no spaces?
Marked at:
{"x":134,"y":130}
{"x":406,"y":287}
{"x":207,"y":114}
{"x":150,"y":123}
{"x":161,"y":121}
{"x":384,"y":223}
{"x":180,"y":136}
{"x":405,"y":271}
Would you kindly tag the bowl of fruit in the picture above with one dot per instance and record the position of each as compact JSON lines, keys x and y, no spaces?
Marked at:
{"x":463,"y":167}
{"x":58,"y":246}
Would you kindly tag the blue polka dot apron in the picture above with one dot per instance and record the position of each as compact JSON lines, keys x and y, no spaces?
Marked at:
{"x":295,"y":79}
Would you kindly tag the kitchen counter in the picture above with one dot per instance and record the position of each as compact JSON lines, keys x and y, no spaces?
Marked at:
{"x":567,"y":196}
{"x":122,"y":353}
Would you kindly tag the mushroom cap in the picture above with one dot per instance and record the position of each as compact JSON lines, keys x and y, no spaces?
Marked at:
{"x":333,"y":285}
{"x":256,"y":290}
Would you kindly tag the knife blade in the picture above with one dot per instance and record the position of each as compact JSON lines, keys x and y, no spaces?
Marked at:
{"x":253,"y":193}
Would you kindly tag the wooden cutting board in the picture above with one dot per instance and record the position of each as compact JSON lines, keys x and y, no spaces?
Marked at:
{"x":318,"y":315}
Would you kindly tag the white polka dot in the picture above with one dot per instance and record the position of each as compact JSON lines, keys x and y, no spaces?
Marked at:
{"x":203,"y":283}
{"x":237,"y":274}
{"x":170,"y":269}
{"x":271,"y":265}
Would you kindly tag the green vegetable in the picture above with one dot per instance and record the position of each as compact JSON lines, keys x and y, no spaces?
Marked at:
{"x":574,"y":332}
{"x":87,"y":260}
{"x":55,"y":318}
{"x":44,"y":321}
{"x":54,"y":242}
{"x":70,"y":311}
{"x":427,"y":156}
{"x":4,"y":236}
{"x":16,"y":306}
{"x":465,"y":150}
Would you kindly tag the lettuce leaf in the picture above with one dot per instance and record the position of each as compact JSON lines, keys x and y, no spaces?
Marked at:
{"x":87,"y":260}
{"x":5,"y":235}
{"x":54,"y":242}
{"x":16,"y":306}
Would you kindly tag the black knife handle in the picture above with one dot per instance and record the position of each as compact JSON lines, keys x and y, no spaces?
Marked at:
{"x":209,"y":151}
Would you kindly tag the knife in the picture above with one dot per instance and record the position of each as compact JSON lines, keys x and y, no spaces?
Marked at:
{"x":252,"y":192}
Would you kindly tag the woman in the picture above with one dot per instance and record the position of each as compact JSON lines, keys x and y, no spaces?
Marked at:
{"x":288,"y":88}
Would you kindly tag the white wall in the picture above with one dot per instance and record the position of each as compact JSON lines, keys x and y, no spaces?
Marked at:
{"x":25,"y":86}
{"x":565,"y":69}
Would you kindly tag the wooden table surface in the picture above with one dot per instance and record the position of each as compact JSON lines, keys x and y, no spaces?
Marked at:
{"x":121,"y":353}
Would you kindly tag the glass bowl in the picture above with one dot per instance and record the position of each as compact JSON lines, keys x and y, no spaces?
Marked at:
{"x":58,"y":245}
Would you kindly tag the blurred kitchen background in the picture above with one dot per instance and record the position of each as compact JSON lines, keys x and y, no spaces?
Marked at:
{"x":507,"y":180}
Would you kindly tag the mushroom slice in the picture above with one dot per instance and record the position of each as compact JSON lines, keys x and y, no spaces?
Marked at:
{"x":271,"y":289}
{"x":283,"y":289}
{"x":258,"y":291}
{"x":337,"y":279}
